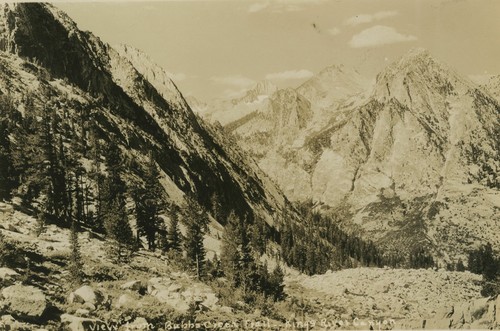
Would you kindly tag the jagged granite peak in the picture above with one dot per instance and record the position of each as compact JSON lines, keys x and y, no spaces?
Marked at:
{"x":262,"y":89}
{"x":265,"y":87}
{"x":138,"y":114}
{"x":423,"y":141}
{"x":396,"y":161}
{"x":333,"y":84}
{"x":417,"y":75}
{"x":42,"y":33}
{"x":290,"y":109}
{"x":493,"y":86}
{"x":155,"y":74}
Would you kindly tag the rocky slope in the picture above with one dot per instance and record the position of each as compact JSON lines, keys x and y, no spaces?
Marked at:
{"x":333,"y":84}
{"x":417,"y":161}
{"x":412,"y":161}
{"x":47,"y":57}
{"x":226,"y":111}
{"x":405,"y":299}
{"x":493,"y":86}
{"x":152,"y":290}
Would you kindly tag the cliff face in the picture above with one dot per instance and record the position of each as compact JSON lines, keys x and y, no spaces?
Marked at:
{"x":136,"y":103}
{"x":415,"y":158}
{"x":413,"y":161}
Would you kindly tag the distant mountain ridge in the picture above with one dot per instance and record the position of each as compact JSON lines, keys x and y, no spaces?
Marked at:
{"x":395,"y":161}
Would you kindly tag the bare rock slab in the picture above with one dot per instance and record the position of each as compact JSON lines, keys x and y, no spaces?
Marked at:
{"x":25,"y":302}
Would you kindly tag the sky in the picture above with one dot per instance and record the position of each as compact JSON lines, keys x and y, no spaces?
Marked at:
{"x":217,"y":49}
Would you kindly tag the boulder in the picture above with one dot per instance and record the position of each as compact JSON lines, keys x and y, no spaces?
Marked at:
{"x":82,"y":312}
{"x":134,"y":285}
{"x":89,"y":306}
{"x":173,"y":299}
{"x":7,"y":274}
{"x":158,"y":283}
{"x":461,"y":316}
{"x":175,"y":288}
{"x":210,"y":300}
{"x":86,"y":294}
{"x":226,"y":310}
{"x":9,"y":323}
{"x":126,"y":300}
{"x":25,"y":302}
{"x":75,"y":323}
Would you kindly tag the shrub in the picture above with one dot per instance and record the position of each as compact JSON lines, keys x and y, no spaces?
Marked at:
{"x":9,"y":254}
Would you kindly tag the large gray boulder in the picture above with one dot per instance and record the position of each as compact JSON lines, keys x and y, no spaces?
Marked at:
{"x":172,"y":299}
{"x":135,"y":285}
{"x":76,"y":323}
{"x":86,"y":295}
{"x":126,"y":301}
{"x":8,"y":277}
{"x":7,"y":274}
{"x":25,"y":302}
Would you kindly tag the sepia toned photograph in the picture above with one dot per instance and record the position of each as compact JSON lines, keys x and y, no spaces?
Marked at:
{"x":250,"y":165}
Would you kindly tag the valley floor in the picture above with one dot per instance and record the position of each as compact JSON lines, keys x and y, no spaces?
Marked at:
{"x":151,"y":291}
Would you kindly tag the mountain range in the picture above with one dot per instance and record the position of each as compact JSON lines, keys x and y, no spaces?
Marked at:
{"x":411,"y":160}
{"x":136,"y":104}
{"x":126,"y":205}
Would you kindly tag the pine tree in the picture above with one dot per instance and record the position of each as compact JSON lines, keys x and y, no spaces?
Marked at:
{"x":149,"y":203}
{"x":259,"y":234}
{"x":247,"y":265}
{"x":197,"y":224}
{"x":214,"y":201}
{"x":39,"y":162}
{"x":163,"y":237}
{"x":482,"y":261}
{"x":174,"y":235}
{"x":96,"y":220}
{"x":276,"y":283}
{"x":6,"y":166}
{"x":113,"y":209}
{"x":231,"y":254}
{"x":28,"y":159}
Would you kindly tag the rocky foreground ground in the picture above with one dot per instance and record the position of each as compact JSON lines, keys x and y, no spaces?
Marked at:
{"x":151,"y":292}
{"x":416,"y":299}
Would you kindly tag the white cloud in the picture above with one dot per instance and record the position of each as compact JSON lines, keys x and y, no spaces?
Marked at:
{"x":334,"y":31}
{"x":290,"y":74}
{"x":379,"y":35}
{"x":282,"y":6}
{"x":233,"y":80}
{"x":256,"y":7}
{"x":233,"y":93}
{"x":368,"y":18}
{"x":177,"y":77}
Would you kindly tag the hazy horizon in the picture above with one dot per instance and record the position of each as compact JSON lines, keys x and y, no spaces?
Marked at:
{"x":219,"y":48}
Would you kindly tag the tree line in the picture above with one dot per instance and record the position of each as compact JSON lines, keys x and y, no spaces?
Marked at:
{"x":484,"y":261}
{"x":67,"y":171}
